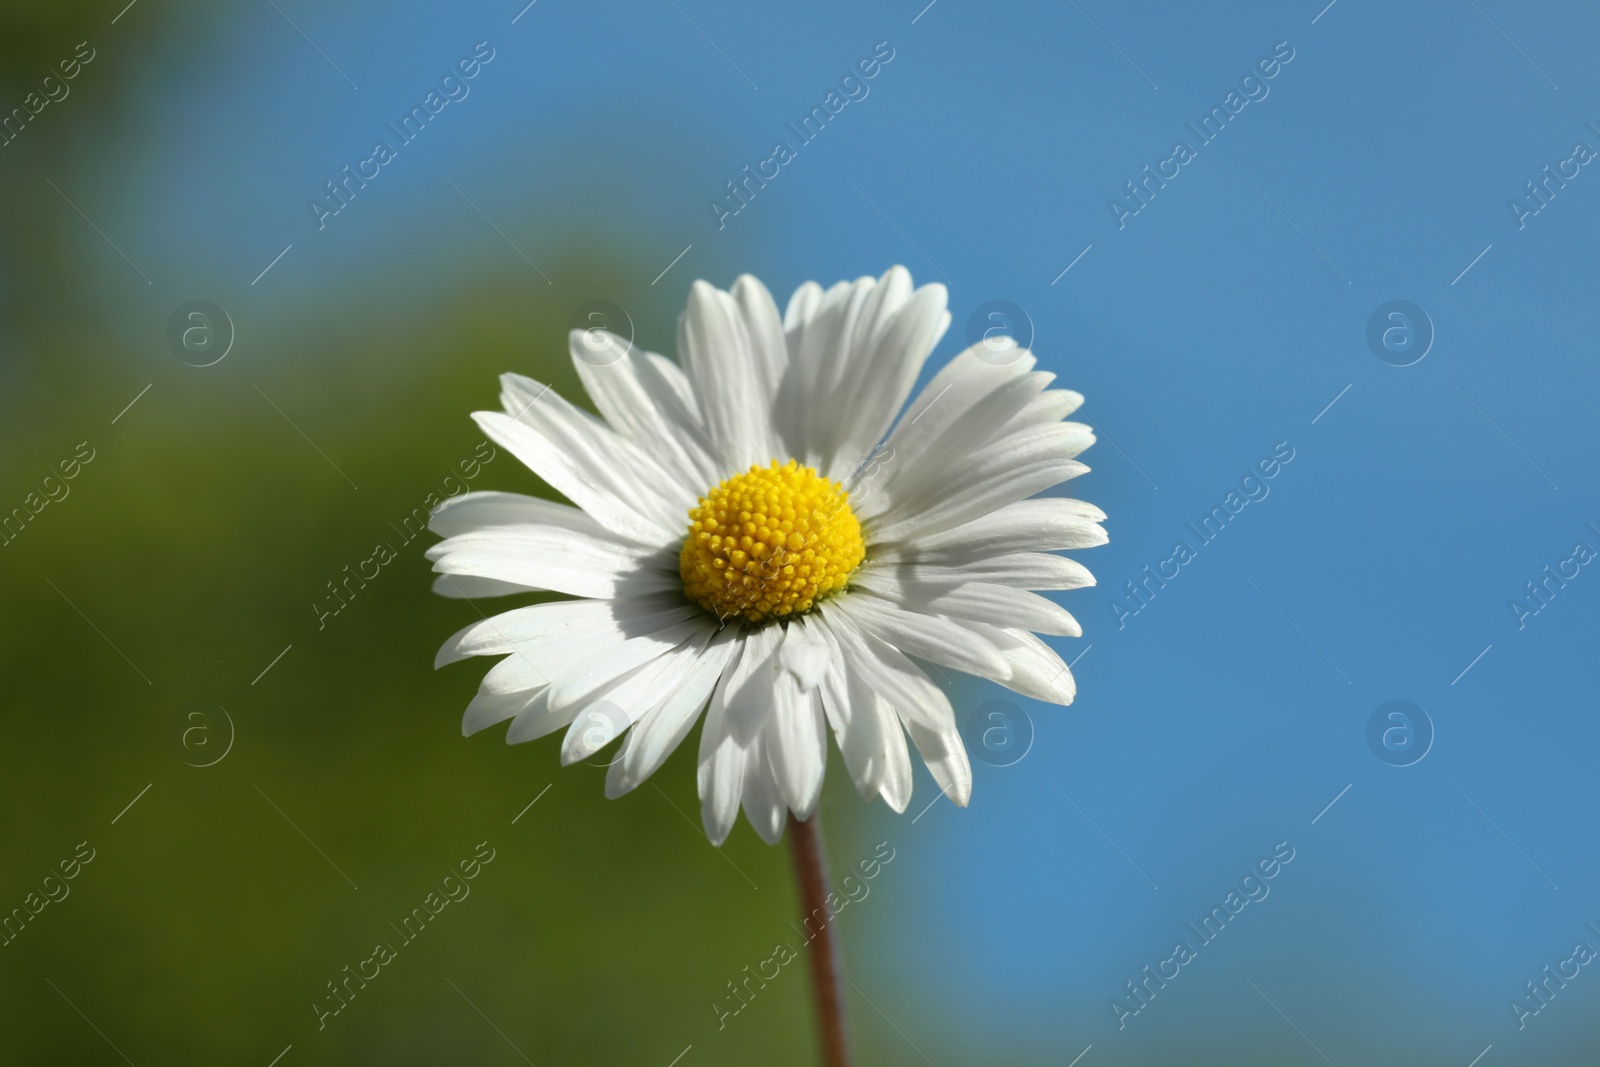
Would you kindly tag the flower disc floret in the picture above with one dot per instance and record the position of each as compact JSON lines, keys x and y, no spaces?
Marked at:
{"x":770,"y":543}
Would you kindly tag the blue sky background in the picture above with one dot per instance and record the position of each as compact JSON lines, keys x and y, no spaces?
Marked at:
{"x":1221,"y":320}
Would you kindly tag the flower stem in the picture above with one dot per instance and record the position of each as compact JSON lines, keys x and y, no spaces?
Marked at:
{"x":811,"y":870}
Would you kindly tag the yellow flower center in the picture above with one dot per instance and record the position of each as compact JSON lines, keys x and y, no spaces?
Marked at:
{"x":769,"y":543}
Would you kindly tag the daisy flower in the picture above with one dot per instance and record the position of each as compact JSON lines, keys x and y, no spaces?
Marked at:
{"x":768,"y":533}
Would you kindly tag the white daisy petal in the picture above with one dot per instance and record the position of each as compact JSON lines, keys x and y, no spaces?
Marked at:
{"x":715,"y":345}
{"x":898,"y":778}
{"x":769,"y":351}
{"x":536,"y":720}
{"x":762,"y":799}
{"x":488,"y":708}
{"x":624,"y":468}
{"x":1020,"y":570}
{"x":855,"y":722}
{"x":1042,"y":524}
{"x":911,"y":477}
{"x":571,"y":661}
{"x":471,"y":512}
{"x":1052,"y":405}
{"x":922,"y":706}
{"x":514,"y":674}
{"x":1070,"y":438}
{"x":854,"y":353}
{"x":1001,"y":472}
{"x":896,"y":333}
{"x":625,"y":384}
{"x":818,"y":327}
{"x":584,"y":476}
{"x":962,"y":382}
{"x":721,"y":781}
{"x":588,"y":677}
{"x":869,"y":735}
{"x":856,"y":729}
{"x":803,"y":655}
{"x":471,"y":587}
{"x":890,"y":674}
{"x":802,"y":306}
{"x":1061,"y":440}
{"x":552,"y":630}
{"x":926,"y":636}
{"x":880,"y":311}
{"x":610,"y":711}
{"x":741,"y":698}
{"x":764,"y":534}
{"x":665,"y":377}
{"x":978,"y":497}
{"x":997,"y":605}
{"x":548,"y":557}
{"x":797,"y":747}
{"x":1036,"y":669}
{"x":663,"y":728}
{"x":946,"y":756}
{"x":933,"y":730}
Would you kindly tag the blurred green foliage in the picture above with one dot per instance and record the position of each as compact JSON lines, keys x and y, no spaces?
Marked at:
{"x":194,"y":545}
{"x":186,"y":556}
